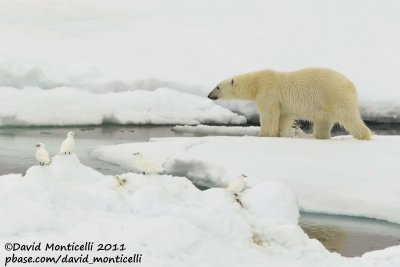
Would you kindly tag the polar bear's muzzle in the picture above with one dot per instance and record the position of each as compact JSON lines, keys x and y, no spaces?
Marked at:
{"x":213,"y":95}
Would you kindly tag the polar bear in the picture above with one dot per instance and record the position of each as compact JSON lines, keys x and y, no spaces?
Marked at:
{"x":319,"y":95}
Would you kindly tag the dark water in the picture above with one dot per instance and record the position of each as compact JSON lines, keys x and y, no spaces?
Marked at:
{"x":349,"y":236}
{"x":377,"y":128}
{"x":17,"y":145}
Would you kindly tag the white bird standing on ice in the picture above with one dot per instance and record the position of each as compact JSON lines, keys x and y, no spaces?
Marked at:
{"x":237,"y":186}
{"x":42,"y":155}
{"x":121,"y":180}
{"x":68,"y":144}
{"x":146,"y":166}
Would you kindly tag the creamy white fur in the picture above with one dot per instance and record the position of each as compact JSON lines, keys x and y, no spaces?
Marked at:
{"x":237,"y":185}
{"x":319,"y":95}
{"x":145,"y":166}
{"x":42,"y":156}
{"x":68,"y":145}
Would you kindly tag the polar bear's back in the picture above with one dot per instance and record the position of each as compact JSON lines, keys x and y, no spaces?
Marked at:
{"x":315,"y":80}
{"x":312,"y":91}
{"x":307,"y":81}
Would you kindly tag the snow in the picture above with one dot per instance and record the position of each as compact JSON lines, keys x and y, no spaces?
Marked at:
{"x":191,"y":46}
{"x":70,"y":106}
{"x":295,"y":131}
{"x":218,"y":130}
{"x":338,"y":176}
{"x":165,"y":218}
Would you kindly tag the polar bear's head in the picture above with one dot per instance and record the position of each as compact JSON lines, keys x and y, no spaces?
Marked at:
{"x":224,"y":90}
{"x":238,"y":87}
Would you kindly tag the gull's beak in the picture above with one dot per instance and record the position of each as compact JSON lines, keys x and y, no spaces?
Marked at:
{"x":37,"y":145}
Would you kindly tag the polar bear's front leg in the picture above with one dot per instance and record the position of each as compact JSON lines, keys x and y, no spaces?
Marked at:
{"x":269,"y":120}
{"x":285,"y":124}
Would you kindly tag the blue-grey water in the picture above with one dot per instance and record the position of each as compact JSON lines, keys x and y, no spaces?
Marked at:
{"x":17,"y":144}
{"x":349,"y":236}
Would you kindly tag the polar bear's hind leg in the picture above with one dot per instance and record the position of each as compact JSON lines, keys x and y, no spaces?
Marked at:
{"x":322,"y":129}
{"x":357,"y":128}
{"x":349,"y":117}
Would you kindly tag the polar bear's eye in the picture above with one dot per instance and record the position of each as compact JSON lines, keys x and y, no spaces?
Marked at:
{"x":217,"y":88}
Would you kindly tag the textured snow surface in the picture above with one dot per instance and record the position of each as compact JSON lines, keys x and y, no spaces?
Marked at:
{"x":165,"y":218}
{"x":338,"y":176}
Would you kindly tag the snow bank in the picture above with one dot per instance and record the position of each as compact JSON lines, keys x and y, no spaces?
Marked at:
{"x":380,"y":109}
{"x":218,"y":130}
{"x":70,"y":106}
{"x":161,"y":217}
{"x":191,"y":46}
{"x":165,"y":218}
{"x":295,"y":131}
{"x":338,"y":176}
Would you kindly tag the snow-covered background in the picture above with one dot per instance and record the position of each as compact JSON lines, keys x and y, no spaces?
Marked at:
{"x":189,"y":46}
{"x":69,"y":106}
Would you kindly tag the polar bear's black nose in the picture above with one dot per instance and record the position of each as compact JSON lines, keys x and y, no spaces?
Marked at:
{"x":211,"y":96}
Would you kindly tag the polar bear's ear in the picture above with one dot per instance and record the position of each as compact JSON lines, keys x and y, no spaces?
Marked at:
{"x":232,"y":82}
